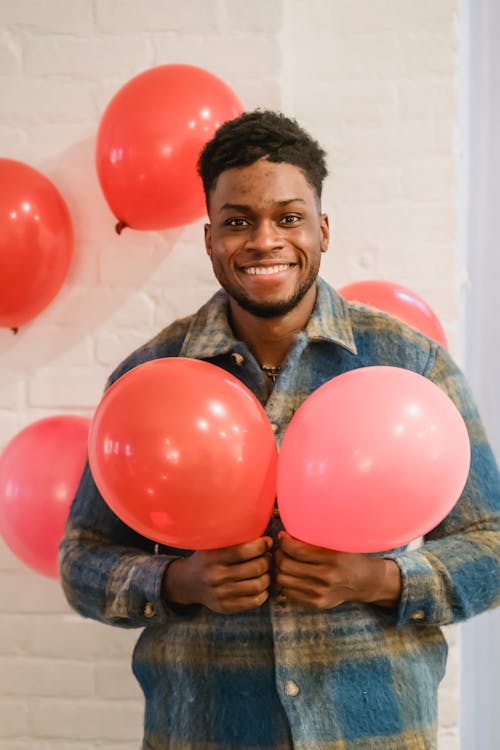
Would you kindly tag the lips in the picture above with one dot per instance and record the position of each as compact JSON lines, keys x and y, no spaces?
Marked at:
{"x":267,"y":270}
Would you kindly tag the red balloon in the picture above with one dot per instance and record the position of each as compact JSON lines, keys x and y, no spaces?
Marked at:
{"x":36,"y":242}
{"x":39,"y":474}
{"x":398,"y":301}
{"x":149,"y":141}
{"x":373,"y":459}
{"x":184,"y":454}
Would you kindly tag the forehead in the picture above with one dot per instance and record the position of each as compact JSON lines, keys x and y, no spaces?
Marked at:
{"x":261,"y":184}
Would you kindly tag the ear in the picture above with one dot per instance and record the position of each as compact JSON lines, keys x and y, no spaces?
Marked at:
{"x":208,"y":238}
{"x":325,"y":232}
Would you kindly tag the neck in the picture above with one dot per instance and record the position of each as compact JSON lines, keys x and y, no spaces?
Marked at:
{"x":270,"y":339}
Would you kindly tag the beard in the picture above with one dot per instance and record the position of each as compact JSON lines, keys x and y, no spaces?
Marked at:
{"x":270,"y":308}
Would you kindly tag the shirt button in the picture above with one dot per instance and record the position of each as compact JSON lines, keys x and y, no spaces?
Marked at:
{"x":291,"y":688}
{"x":149,"y":610}
{"x":276,"y":512}
{"x":281,"y":599}
{"x":418,"y":615}
{"x":276,"y":427}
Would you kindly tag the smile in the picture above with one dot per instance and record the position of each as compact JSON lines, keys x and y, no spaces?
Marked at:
{"x":267,"y":270}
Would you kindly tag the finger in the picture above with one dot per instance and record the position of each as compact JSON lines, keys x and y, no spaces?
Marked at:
{"x":236,"y":590}
{"x":299,"y":584}
{"x":293,"y":567}
{"x":241,"y":604}
{"x":321,"y":593}
{"x":311,"y":572}
{"x":249,"y":602}
{"x":241,"y":552}
{"x":220,"y":574}
{"x":310,"y":598}
{"x":303,"y":551}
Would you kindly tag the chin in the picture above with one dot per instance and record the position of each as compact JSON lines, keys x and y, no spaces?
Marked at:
{"x":268,"y":308}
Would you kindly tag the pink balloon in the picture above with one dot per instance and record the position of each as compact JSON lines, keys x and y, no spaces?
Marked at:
{"x":373,"y":459}
{"x":39,"y":474}
{"x":399,"y":301}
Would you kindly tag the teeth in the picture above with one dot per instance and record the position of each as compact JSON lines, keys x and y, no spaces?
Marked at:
{"x":266,"y":270}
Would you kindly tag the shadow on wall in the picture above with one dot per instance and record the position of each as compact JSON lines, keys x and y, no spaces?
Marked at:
{"x":107,"y":274}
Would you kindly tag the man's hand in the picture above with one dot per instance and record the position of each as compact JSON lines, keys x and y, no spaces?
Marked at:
{"x":323,"y":579}
{"x":226,"y":580}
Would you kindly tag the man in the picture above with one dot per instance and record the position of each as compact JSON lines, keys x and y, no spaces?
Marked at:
{"x":276,"y":643}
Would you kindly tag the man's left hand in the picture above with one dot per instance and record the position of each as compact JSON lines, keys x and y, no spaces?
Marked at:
{"x":323,"y":578}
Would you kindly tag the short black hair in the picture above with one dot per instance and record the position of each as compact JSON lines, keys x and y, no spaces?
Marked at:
{"x":258,"y":134}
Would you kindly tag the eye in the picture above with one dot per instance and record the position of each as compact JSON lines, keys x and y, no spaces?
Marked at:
{"x":290,"y":219}
{"x":237,"y":223}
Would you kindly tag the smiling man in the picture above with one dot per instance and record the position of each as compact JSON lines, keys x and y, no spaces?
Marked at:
{"x":276,"y":644}
{"x":265,"y":241}
{"x":265,"y":238}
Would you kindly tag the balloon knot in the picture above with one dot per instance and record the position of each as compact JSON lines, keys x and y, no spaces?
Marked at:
{"x":120,"y":227}
{"x":14,"y":330}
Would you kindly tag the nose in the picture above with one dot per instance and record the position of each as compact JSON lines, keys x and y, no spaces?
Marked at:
{"x":265,"y":236}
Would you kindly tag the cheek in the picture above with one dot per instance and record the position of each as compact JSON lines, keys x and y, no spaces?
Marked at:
{"x":224,"y":250}
{"x":311,"y":245}
{"x":221,"y":261}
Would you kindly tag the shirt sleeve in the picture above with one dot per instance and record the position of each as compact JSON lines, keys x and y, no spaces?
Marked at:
{"x":108,"y":571}
{"x":455,"y":574}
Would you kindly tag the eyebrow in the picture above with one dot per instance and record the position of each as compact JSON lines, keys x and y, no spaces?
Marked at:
{"x":245,"y":207}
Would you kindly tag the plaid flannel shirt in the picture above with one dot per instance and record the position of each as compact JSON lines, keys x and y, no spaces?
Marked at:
{"x":356,"y":677}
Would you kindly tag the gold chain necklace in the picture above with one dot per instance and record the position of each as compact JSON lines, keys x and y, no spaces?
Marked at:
{"x":271,"y":372}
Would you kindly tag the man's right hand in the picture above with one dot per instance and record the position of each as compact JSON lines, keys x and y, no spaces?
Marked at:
{"x":228,"y":580}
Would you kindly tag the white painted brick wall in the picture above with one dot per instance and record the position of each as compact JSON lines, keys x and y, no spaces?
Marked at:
{"x":374,"y":80}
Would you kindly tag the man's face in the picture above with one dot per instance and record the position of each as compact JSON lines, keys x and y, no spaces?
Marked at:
{"x":266,"y":236}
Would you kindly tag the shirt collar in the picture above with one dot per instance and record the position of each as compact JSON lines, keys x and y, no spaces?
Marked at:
{"x":210,"y":332}
{"x":331,"y":320}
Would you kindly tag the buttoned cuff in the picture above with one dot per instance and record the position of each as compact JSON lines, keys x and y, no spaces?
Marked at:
{"x":146,"y":599}
{"x":421,"y":590}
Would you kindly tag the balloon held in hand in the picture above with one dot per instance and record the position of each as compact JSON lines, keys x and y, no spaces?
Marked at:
{"x":372,"y":460}
{"x":184,"y":453}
